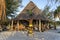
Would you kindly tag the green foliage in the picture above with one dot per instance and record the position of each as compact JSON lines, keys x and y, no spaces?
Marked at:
{"x":30,"y":12}
{"x":46,"y":12}
{"x":56,"y":12}
{"x":58,"y":23}
{"x":54,"y":1}
{"x":11,"y":7}
{"x":46,"y":9}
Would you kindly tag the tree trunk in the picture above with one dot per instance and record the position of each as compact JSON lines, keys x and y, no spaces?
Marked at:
{"x":3,"y":10}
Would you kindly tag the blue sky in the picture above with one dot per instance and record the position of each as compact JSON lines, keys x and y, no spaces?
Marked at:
{"x":39,"y":3}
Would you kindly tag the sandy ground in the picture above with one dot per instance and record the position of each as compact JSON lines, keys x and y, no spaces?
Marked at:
{"x":22,"y":35}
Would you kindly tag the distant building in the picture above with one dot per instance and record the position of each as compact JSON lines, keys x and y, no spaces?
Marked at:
{"x":57,"y":16}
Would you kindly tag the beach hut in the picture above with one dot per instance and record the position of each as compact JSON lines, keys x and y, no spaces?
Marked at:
{"x":31,"y":16}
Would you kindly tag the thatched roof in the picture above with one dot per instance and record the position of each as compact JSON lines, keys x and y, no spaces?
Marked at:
{"x":25,"y":16}
{"x":36,"y":13}
{"x":31,"y":6}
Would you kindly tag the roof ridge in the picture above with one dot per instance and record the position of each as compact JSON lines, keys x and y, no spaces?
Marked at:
{"x":28,"y":6}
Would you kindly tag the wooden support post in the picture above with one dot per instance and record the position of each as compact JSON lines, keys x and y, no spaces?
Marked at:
{"x":40,"y":25}
{"x":18,"y":25}
{"x":0,"y":28}
{"x":12,"y":25}
{"x":48,"y":25}
{"x":37,"y":22}
{"x":54,"y":25}
{"x":37,"y":26}
{"x":9,"y":26}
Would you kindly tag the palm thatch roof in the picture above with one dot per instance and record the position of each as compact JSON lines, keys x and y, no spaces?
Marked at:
{"x":36,"y":13}
{"x":31,"y":6}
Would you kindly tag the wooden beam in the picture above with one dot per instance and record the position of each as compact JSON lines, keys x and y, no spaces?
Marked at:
{"x":18,"y":25}
{"x":9,"y":26}
{"x":54,"y":25}
{"x":40,"y":25}
{"x":48,"y":25}
{"x":12,"y":25}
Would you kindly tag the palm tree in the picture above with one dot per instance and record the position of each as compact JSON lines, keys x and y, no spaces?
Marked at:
{"x":8,"y":7}
{"x":11,"y":7}
{"x":2,"y":10}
